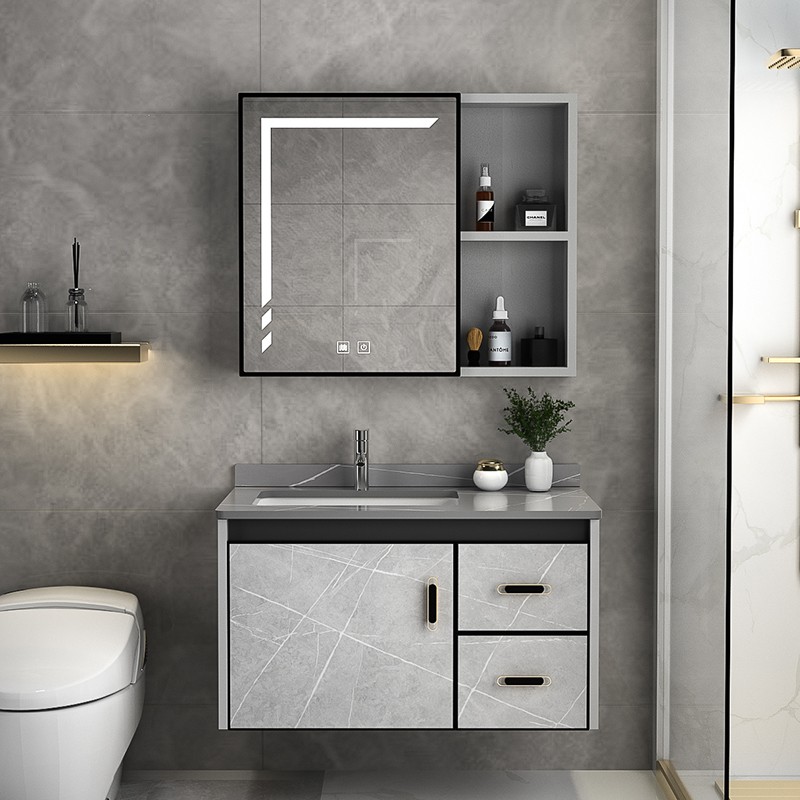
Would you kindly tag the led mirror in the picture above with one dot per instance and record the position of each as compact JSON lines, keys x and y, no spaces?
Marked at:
{"x":348,"y":234}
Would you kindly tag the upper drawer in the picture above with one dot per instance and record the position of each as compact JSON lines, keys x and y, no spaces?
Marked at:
{"x":561,"y":568}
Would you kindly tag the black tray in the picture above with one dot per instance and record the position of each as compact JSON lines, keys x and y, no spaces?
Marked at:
{"x":52,"y":337}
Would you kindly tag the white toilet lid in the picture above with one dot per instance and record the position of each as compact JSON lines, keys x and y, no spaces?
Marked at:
{"x":56,"y":657}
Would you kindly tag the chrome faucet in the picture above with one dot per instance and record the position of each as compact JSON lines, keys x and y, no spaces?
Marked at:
{"x":361,"y":461}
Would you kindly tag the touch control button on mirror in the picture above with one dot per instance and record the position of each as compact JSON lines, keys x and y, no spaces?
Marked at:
{"x":363,"y":348}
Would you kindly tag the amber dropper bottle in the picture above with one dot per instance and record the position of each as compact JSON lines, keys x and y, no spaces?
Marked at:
{"x":484,"y":199}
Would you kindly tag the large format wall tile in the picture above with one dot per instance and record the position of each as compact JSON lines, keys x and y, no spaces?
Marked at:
{"x":625,"y":740}
{"x":118,"y":56}
{"x":400,"y":254}
{"x":152,"y":199}
{"x":616,"y":212}
{"x":163,"y":434}
{"x":401,"y":165}
{"x":605,"y":52}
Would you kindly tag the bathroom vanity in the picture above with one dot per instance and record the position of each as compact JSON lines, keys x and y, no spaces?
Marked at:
{"x":435,"y":608}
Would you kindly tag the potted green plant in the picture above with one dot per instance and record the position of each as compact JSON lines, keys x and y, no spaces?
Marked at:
{"x":537,"y":421}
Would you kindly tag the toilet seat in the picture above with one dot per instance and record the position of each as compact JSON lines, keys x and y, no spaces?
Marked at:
{"x":64,"y":646}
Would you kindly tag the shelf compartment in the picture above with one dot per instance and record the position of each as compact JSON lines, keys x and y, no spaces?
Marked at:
{"x":526,"y":144}
{"x":534,"y":283}
{"x":122,"y":353}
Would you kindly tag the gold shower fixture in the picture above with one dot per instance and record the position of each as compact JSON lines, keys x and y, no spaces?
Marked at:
{"x":788,"y":58}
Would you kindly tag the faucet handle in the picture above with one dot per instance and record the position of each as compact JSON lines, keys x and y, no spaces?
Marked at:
{"x":361,"y":434}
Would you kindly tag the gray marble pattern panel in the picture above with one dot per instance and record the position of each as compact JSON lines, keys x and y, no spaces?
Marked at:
{"x":334,"y":636}
{"x":306,"y":255}
{"x":616,"y":271}
{"x":162,"y":434}
{"x":401,"y":338}
{"x":387,"y":165}
{"x":603,"y":52}
{"x":303,"y":339}
{"x":483,"y":703}
{"x":483,"y":567}
{"x":118,"y":57}
{"x":151,"y":197}
{"x":623,"y":740}
{"x":306,"y":165}
{"x":397,"y":255}
{"x":323,"y":146}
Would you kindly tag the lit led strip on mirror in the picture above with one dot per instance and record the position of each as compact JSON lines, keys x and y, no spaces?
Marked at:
{"x":267,"y":126}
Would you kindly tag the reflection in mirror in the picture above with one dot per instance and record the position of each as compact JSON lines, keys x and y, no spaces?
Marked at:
{"x":348,"y":234}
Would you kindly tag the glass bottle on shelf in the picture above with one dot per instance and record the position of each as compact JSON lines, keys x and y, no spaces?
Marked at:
{"x":33,"y":309}
{"x":75,"y":312}
{"x":535,"y":212}
{"x":484,"y":202}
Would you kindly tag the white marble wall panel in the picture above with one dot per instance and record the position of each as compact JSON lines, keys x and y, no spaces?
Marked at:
{"x":482,"y":568}
{"x":765,"y":579}
{"x":334,"y":636}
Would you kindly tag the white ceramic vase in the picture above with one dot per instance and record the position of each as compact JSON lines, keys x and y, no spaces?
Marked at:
{"x":538,"y":472}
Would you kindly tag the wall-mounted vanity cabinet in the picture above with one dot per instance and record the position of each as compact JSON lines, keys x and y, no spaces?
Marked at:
{"x":358,"y":245}
{"x":349,"y":252}
{"x":332,"y":626}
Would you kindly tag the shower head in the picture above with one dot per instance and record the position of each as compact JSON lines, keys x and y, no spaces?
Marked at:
{"x":784,"y":59}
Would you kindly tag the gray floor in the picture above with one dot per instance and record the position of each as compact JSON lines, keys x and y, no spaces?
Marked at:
{"x":521,"y":785}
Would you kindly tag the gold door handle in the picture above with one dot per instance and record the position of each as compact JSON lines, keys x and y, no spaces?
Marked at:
{"x":524,"y":680}
{"x":432,"y":604}
{"x":524,"y":588}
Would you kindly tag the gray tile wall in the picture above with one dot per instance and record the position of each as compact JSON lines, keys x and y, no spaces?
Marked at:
{"x":119,"y":127}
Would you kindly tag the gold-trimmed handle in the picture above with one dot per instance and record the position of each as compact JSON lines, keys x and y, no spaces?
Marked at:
{"x":524,"y":588}
{"x":432,"y":603}
{"x":523,"y":680}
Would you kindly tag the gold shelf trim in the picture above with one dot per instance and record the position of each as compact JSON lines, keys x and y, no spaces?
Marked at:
{"x":760,"y":399}
{"x":780,"y":359}
{"x":121,"y":353}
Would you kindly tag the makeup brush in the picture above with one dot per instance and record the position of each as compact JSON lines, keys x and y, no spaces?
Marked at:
{"x":474,"y":339}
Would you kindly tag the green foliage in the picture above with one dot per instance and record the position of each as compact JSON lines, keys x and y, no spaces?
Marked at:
{"x":536,"y":420}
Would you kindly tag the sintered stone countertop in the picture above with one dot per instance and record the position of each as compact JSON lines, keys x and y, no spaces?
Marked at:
{"x":509,"y":503}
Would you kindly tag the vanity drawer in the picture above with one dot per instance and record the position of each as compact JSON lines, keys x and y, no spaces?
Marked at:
{"x":544,"y":677}
{"x":523,"y":587}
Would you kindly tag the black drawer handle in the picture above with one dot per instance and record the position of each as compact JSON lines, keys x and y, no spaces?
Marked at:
{"x":524,"y":588}
{"x":432,"y":604}
{"x":523,"y":680}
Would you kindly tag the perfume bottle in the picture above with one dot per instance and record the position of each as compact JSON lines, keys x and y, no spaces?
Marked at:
{"x":33,"y":309}
{"x":535,"y":212}
{"x":75,"y":312}
{"x":484,"y":200}
{"x":500,"y":337}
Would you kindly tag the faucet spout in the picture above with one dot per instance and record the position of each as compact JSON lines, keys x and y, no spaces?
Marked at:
{"x":361,"y":460}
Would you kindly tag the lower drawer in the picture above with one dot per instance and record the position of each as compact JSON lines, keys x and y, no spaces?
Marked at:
{"x":544,"y":677}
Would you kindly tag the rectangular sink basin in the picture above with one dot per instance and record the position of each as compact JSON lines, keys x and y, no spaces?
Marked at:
{"x":350,"y":497}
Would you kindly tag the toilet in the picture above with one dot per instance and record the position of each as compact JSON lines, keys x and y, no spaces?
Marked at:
{"x":71,"y":691}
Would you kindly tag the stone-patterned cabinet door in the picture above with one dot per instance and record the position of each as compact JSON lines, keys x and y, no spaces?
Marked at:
{"x":338,"y":636}
{"x":494,"y":582}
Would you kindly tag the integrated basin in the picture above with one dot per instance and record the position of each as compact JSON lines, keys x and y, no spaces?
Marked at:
{"x":350,"y":497}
